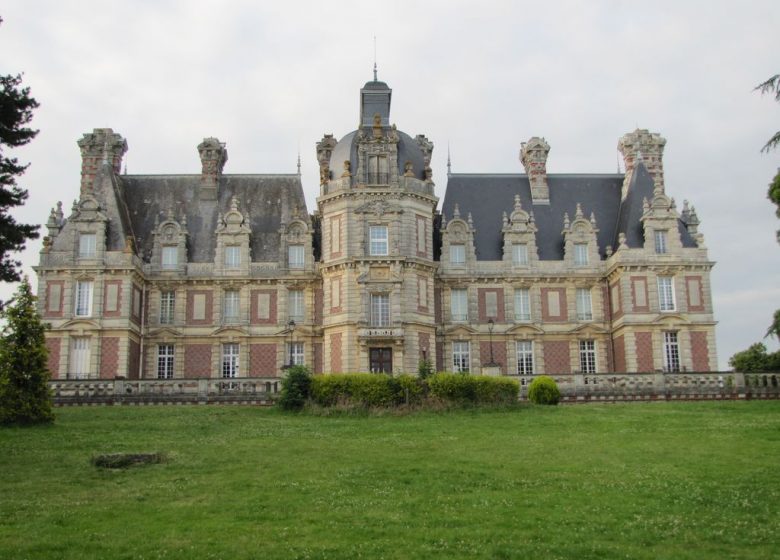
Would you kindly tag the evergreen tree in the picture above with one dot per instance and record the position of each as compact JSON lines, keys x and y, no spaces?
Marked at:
{"x":16,"y":111}
{"x":24,"y":392}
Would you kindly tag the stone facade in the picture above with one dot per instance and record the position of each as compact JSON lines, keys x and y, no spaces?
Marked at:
{"x":218,"y":275}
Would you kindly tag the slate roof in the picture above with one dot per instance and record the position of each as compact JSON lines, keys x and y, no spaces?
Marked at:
{"x":487,"y":196}
{"x":270,"y":200}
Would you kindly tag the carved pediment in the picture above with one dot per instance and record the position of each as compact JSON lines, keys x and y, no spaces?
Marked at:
{"x":588,"y":330}
{"x":525,"y":329}
{"x":87,"y":209}
{"x":461,"y":331}
{"x":379,"y":208}
{"x":230,"y":331}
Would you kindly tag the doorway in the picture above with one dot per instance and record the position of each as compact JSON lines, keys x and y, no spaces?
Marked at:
{"x":381,"y":360}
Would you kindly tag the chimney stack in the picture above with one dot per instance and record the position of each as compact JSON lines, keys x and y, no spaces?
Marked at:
{"x":533,"y":154}
{"x":213,"y":156}
{"x":100,"y":146}
{"x":646,"y":147}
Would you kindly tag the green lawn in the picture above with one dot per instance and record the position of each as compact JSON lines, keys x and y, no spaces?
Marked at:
{"x":653,"y":480}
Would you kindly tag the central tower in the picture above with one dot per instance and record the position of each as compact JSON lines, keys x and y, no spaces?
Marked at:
{"x":377,"y":205}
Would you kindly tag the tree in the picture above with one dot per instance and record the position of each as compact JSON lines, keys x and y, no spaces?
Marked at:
{"x":24,"y":373}
{"x":755,"y":360}
{"x":772,"y":85}
{"x":16,"y":111}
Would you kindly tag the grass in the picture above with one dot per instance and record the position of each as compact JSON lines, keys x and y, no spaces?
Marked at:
{"x":656,"y":480}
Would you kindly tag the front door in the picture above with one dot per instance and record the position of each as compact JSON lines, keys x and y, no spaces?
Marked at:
{"x":381,"y":360}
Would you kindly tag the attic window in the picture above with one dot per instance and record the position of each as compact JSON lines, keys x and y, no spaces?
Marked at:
{"x":661,"y":245}
{"x":87,"y":245}
{"x":232,"y":256}
{"x":170,"y":257}
{"x":580,"y":254}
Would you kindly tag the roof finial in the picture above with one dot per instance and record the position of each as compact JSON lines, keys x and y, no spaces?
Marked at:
{"x":375,"y":79}
{"x":299,"y":161}
{"x":449,"y":163}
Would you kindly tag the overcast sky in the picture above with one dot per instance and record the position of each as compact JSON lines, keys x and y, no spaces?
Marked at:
{"x":271,"y":78}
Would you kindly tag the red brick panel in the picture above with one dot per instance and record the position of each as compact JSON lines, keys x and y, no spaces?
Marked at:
{"x":51,"y":309}
{"x":619,"y":346}
{"x":336,"y":294}
{"x":53,"y":345}
{"x":254,"y":311}
{"x":439,"y":356}
{"x":422,"y":230}
{"x":136,"y":301}
{"x":109,"y":357}
{"x":694,"y":293}
{"x":437,"y":304}
{"x":335,"y":237}
{"x":499,"y":352}
{"x":481,"y":295}
{"x":700,"y":351}
{"x":556,"y":357}
{"x":191,"y":307}
{"x":262,"y":360}
{"x":317,"y":366}
{"x":133,"y":359}
{"x":547,"y":313}
{"x":644,"y":351}
{"x":118,"y":303}
{"x":197,"y":360}
{"x":318,"y":305}
{"x":615,"y":298}
{"x":335,"y":352}
{"x":639,"y":297}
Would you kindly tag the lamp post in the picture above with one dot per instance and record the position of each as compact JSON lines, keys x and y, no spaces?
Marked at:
{"x":290,"y":329}
{"x":491,"y":324}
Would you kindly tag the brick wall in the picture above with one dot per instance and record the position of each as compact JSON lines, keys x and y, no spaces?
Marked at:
{"x":317,"y":366}
{"x":108,"y":291}
{"x":109,"y":357}
{"x":640,"y":300}
{"x":52,"y":309}
{"x":620,"y":354}
{"x":207,"y":320}
{"x":318,"y":305}
{"x":483,"y":315}
{"x":615,"y":297}
{"x":499,"y":352}
{"x":644,"y":351}
{"x":548,"y":313}
{"x":254,"y":311}
{"x":197,"y":360}
{"x":53,"y":345}
{"x":262,"y":360}
{"x":694,"y":294}
{"x":556,"y":357}
{"x":335,"y":352}
{"x":700,"y":351}
{"x":133,"y":358}
{"x":437,"y":304}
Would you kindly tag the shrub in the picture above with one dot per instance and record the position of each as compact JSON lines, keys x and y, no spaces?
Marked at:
{"x":462,"y":388}
{"x":296,"y":387}
{"x":496,"y":390}
{"x":425,"y":369}
{"x":357,"y":389}
{"x":411,"y":389}
{"x":544,"y":390}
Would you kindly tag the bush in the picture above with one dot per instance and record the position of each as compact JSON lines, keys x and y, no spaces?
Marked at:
{"x":544,"y":390}
{"x":357,"y":389}
{"x":425,"y":369}
{"x":496,"y":390}
{"x":462,"y":388}
{"x":296,"y":388}
{"x":411,"y":389}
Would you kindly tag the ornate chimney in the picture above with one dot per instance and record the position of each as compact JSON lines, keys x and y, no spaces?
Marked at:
{"x":101,"y":146}
{"x":213,"y":156}
{"x":533,"y":154}
{"x":646,"y":147}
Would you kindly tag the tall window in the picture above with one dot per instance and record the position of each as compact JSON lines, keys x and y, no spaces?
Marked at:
{"x":461,"y":357}
{"x":376,"y":173}
{"x":459,"y":305}
{"x":588,"y":356}
{"x":522,"y":304}
{"x":230,"y":305}
{"x":671,"y":352}
{"x":297,"y":353}
{"x":295,"y":256}
{"x":87,"y":245}
{"x":525,"y":357}
{"x":167,"y":307}
{"x":580,"y":254}
{"x":380,"y":310}
{"x":377,"y":240}
{"x":661,"y":246}
{"x":296,"y":305}
{"x":230,"y":360}
{"x":165,"y":361}
{"x":232,"y":256}
{"x":519,"y":254}
{"x":170,"y":257}
{"x":457,"y":254}
{"x":79,"y":357}
{"x":83,"y":298}
{"x":584,"y":305}
{"x":666,"y":293}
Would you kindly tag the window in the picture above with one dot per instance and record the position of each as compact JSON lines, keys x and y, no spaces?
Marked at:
{"x":232,"y":256}
{"x":167,"y":307}
{"x":380,"y":310}
{"x":295,"y":256}
{"x":457,"y":254}
{"x":588,"y":356}
{"x":230,"y":360}
{"x":170,"y":257}
{"x":522,"y":304}
{"x":666,"y":293}
{"x":377,"y":174}
{"x":79,"y":357}
{"x":296,"y":305}
{"x":461,"y":357}
{"x":671,"y":352}
{"x":377,"y":240}
{"x":83,"y":298}
{"x":519,"y":254}
{"x":525,"y":357}
{"x":660,"y":241}
{"x":295,"y":350}
{"x":580,"y":254}
{"x":230,"y":305}
{"x":459,"y":305}
{"x":165,"y":361}
{"x":584,"y":305}
{"x":87,"y":245}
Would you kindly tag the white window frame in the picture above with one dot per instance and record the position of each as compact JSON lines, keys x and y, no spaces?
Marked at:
{"x":378,"y":241}
{"x":80,"y":357}
{"x":581,"y":256}
{"x":525,"y":357}
{"x":297,"y":353}
{"x":296,"y":305}
{"x":459,"y":304}
{"x":83,"y":299}
{"x":661,"y":238}
{"x":87,"y":245}
{"x":167,"y":307}
{"x":457,"y":253}
{"x":295,"y":256}
{"x":170,"y":257}
{"x":522,"y":304}
{"x":461,"y":356}
{"x":379,"y":312}
{"x":588,"y":363}
{"x":666,"y":299}
{"x":584,"y":305}
{"x":231,"y":352}
{"x":520,"y":254}
{"x":231,"y":305}
{"x":165,"y":361}
{"x":232,"y":256}
{"x":671,"y":352}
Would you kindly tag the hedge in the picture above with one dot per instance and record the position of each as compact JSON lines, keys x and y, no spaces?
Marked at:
{"x":473,"y":389}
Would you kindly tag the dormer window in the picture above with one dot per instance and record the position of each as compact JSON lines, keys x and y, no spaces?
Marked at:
{"x":295,"y":256}
{"x":519,"y":254}
{"x":376,"y":173}
{"x":378,"y":240}
{"x":232,"y":256}
{"x":170,"y":257}
{"x":87,"y":245}
{"x":661,"y":242}
{"x":458,"y":254}
{"x":580,"y":254}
